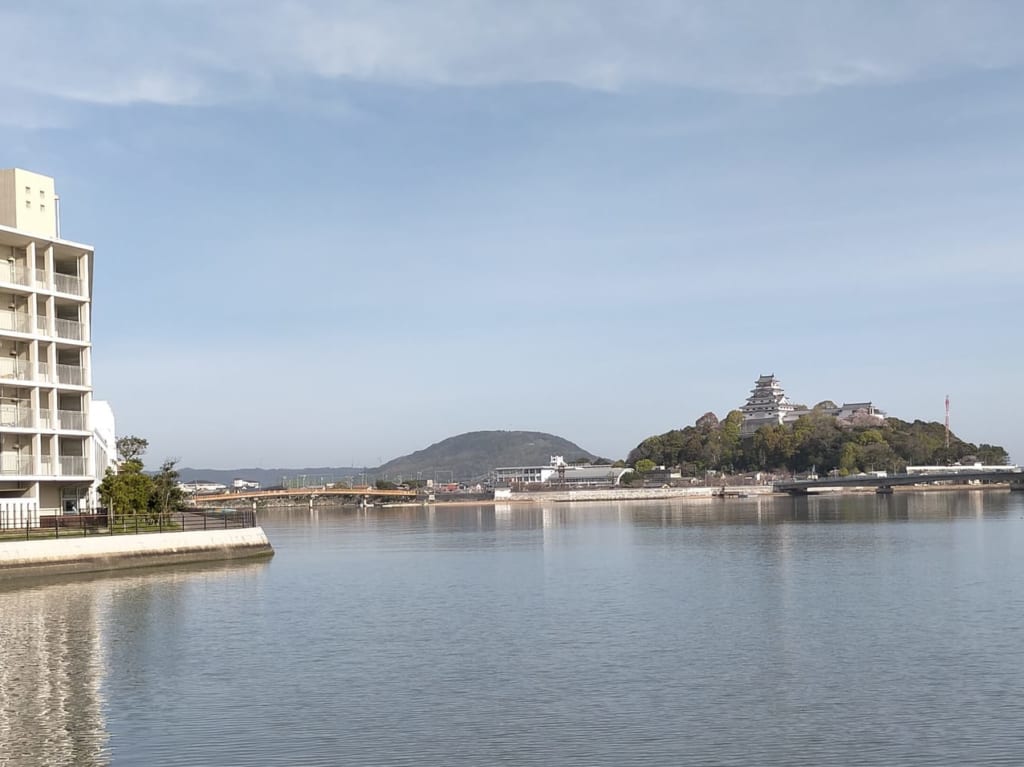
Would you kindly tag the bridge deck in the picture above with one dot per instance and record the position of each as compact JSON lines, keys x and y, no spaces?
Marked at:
{"x":804,"y":485}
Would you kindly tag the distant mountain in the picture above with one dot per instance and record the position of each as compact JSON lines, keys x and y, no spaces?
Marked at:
{"x":466,"y":456}
{"x":474,"y":454}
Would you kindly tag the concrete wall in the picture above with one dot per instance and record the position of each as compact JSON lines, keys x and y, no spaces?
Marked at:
{"x":637,"y":494}
{"x":102,"y":552}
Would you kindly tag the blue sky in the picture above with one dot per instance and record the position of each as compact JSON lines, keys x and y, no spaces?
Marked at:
{"x":332,"y":233}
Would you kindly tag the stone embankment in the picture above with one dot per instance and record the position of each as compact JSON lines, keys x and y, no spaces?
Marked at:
{"x":99,"y":553}
{"x":638,"y":494}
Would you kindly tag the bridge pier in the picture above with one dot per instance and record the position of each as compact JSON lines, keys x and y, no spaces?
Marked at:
{"x":1017,"y":485}
{"x":883,"y":490}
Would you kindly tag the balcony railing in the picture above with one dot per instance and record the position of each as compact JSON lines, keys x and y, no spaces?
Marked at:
{"x":71,"y":374}
{"x":42,"y":324}
{"x":43,"y":371}
{"x":67,"y":283}
{"x":19,"y":322}
{"x":41,"y":278}
{"x":72,"y":465}
{"x":72,"y":419}
{"x":46,"y":466}
{"x":14,"y":273}
{"x":46,"y":420}
{"x":18,"y":415}
{"x":70,"y":329}
{"x":15,"y":463}
{"x":16,"y":368}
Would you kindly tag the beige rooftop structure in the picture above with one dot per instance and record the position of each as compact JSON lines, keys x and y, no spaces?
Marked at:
{"x":28,"y":202}
{"x":47,"y":460}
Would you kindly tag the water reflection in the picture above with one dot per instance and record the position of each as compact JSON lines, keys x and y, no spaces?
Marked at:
{"x":758,"y":510}
{"x":770,"y":631}
{"x":51,"y":668}
{"x":56,"y":655}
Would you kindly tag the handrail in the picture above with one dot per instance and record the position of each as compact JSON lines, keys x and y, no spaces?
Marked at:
{"x":101,"y":522}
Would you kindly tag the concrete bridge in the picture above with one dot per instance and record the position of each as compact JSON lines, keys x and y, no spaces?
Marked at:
{"x":1015,"y":478}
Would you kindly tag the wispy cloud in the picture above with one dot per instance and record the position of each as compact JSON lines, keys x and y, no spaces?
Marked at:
{"x":190,"y":52}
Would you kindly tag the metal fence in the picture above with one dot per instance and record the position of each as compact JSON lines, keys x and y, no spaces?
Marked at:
{"x":101,"y":523}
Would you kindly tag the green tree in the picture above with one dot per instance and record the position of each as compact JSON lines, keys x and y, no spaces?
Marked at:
{"x":131,"y":448}
{"x":992,"y":455}
{"x":167,"y":496}
{"x":126,"y":491}
{"x":849,"y":459}
{"x":730,"y":427}
{"x":644,"y":466}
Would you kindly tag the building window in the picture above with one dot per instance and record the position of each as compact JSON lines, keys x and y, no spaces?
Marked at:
{"x":28,"y":203}
{"x":42,"y":194}
{"x":42,"y":208}
{"x":28,"y":190}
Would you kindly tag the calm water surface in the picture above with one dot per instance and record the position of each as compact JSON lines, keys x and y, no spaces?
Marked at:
{"x":859,"y":630}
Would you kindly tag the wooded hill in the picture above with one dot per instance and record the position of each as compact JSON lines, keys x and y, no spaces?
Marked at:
{"x":818,"y":440}
{"x":474,"y":454}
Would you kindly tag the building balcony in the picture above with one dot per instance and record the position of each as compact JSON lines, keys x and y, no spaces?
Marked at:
{"x":34,"y":278}
{"x":16,"y":368}
{"x":15,"y":463}
{"x":15,"y":274}
{"x":21,"y":464}
{"x":72,"y":375}
{"x":72,"y":420}
{"x":68,"y":283}
{"x":70,"y":329}
{"x":16,"y":415}
{"x":18,"y":322}
{"x":47,"y":419}
{"x":72,"y":465}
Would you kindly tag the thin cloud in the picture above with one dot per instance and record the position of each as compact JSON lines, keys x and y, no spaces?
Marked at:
{"x":183,"y":53}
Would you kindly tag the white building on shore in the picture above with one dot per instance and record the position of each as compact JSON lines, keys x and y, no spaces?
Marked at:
{"x":48,"y":460}
{"x":557,"y":472}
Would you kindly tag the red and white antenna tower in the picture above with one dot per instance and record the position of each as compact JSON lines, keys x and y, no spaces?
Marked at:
{"x":947,"y":422}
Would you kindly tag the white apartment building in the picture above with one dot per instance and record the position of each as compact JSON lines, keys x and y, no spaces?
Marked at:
{"x":48,"y":459}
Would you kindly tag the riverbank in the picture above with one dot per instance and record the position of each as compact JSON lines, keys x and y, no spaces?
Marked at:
{"x":710,"y":493}
{"x":103,"y":553}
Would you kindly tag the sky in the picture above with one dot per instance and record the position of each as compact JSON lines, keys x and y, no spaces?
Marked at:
{"x":332,"y":233}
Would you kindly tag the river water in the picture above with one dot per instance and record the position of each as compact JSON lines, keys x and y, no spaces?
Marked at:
{"x":853,"y":630}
